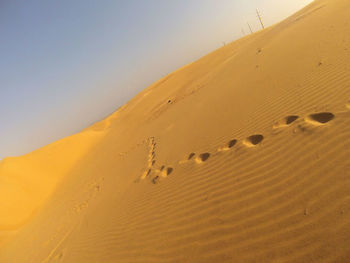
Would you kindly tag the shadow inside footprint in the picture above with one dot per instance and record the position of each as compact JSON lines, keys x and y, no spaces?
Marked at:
{"x":228,"y":146}
{"x":169,"y":170}
{"x":191,"y":156}
{"x":203,"y":157}
{"x":286,"y":121}
{"x":155,"y":180}
{"x":146,"y":174}
{"x":320,"y":118}
{"x":166,"y":172}
{"x":232,"y":143}
{"x":291,"y":119}
{"x":253,"y":140}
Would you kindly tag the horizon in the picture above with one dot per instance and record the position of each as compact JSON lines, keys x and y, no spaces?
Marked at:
{"x":61,"y":71}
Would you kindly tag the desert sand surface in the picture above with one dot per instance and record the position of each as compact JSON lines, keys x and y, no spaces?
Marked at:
{"x":241,"y":156}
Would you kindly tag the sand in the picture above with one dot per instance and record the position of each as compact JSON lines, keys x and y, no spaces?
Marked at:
{"x":241,"y":156}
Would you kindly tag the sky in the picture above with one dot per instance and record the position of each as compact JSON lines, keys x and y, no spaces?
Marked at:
{"x":67,"y":64}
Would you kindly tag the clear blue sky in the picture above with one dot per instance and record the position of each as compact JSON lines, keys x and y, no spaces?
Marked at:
{"x":66,"y":64}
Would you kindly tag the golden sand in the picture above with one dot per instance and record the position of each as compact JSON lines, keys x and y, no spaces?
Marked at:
{"x":241,"y":156}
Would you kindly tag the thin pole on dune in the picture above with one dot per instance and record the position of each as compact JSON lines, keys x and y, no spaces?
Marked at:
{"x":251,"y":31}
{"x":259,"y":16}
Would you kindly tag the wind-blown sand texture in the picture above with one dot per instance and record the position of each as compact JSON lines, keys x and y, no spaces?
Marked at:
{"x":241,"y":156}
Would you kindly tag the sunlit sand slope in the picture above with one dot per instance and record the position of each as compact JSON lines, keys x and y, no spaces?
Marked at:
{"x":27,"y":181}
{"x":242,"y":156}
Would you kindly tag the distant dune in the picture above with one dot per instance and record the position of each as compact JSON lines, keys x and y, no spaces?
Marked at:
{"x":241,"y":156}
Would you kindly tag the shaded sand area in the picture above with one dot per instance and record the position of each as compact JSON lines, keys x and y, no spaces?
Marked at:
{"x":241,"y":156}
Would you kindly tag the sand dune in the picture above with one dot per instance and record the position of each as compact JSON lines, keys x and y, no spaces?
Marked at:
{"x":241,"y":156}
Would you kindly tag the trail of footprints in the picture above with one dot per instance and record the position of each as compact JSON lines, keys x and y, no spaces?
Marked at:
{"x":151,"y":157}
{"x":151,"y":171}
{"x":155,"y":175}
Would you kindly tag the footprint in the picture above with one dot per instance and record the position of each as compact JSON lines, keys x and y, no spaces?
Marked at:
{"x":167,"y":171}
{"x":253,"y":140}
{"x":232,"y":143}
{"x":58,"y":257}
{"x":202,"y":157}
{"x":320,"y":118}
{"x":155,"y":180}
{"x":229,"y":145}
{"x":187,"y":159}
{"x":286,"y":121}
{"x":146,"y":174}
{"x":191,"y":156}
